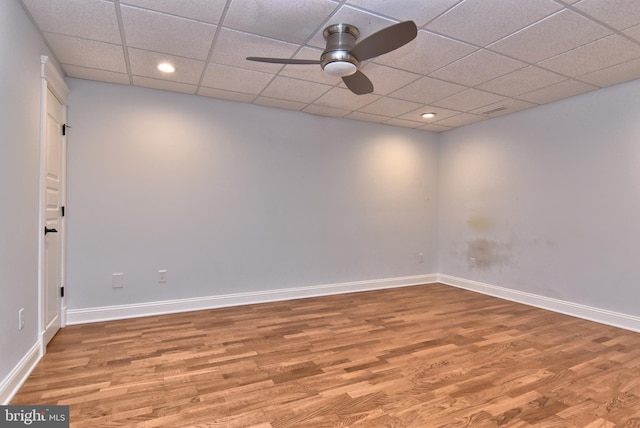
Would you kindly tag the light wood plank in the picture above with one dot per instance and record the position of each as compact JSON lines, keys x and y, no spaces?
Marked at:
{"x":423,"y":356}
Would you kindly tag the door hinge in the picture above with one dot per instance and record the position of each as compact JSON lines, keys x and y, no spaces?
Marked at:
{"x":62,"y":210}
{"x":61,"y":291}
{"x":64,"y":128}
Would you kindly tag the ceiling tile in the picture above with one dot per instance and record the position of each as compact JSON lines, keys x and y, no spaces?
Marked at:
{"x":614,"y":75}
{"x":520,"y":81}
{"x":200,"y":10}
{"x":367,"y":117}
{"x":435,"y":128}
{"x":620,"y":14}
{"x":226,"y":95}
{"x":290,"y":89}
{"x":478,"y":68}
{"x":284,"y":104}
{"x":389,"y":107}
{"x":326,"y":111}
{"x":145,"y":63}
{"x":484,"y":21}
{"x":540,"y":51}
{"x":559,"y":33}
{"x":233,"y":48}
{"x":387,"y":79}
{"x":164,"y":85}
{"x":564,"y":89}
{"x":89,"y":19}
{"x":159,"y":32}
{"x":426,"y":53}
{"x":291,"y":21}
{"x":503,"y":107}
{"x":87,"y":53}
{"x":418,"y":11}
{"x":403,"y":123}
{"x":467,"y":100}
{"x":94,"y":74}
{"x":633,"y":32}
{"x":345,"y":99}
{"x":460,"y":120}
{"x":235,"y":79}
{"x":600,"y":54}
{"x":426,"y":90}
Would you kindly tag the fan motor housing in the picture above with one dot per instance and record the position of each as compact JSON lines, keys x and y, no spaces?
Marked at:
{"x":336,"y":59}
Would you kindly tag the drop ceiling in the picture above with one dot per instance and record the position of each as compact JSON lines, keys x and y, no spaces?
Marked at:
{"x":472,"y":59}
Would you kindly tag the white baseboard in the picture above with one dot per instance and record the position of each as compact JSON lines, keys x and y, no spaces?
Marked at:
{"x":63,"y":316}
{"x":21,"y":371}
{"x":19,"y":374}
{"x":105,"y":313}
{"x":602,"y":316}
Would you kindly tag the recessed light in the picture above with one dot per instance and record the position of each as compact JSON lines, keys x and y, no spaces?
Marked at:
{"x":165,"y":67}
{"x":428,"y":115}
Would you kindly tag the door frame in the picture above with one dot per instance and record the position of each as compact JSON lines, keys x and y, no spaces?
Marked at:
{"x":51,"y":80}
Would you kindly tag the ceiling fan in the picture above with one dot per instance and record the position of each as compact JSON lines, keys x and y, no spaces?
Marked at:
{"x":342,"y":55}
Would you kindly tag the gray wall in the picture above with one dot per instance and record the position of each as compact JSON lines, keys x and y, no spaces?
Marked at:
{"x":548,"y":200}
{"x":231,"y":197}
{"x":20,"y":50}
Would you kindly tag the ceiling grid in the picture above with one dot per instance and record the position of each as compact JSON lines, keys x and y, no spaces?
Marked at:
{"x":472,"y":59}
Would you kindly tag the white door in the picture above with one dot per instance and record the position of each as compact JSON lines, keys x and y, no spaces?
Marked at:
{"x":53,"y":190}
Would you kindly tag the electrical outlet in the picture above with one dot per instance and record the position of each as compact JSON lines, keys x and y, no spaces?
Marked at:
{"x":472,"y":262}
{"x":117,"y":280}
{"x":21,"y":319}
{"x":162,"y":275}
{"x":420,"y":258}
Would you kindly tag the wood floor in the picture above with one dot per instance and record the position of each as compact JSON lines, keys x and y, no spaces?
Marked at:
{"x":425,"y":356}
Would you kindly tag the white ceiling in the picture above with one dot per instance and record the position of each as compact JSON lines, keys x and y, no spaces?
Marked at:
{"x":471,"y":57}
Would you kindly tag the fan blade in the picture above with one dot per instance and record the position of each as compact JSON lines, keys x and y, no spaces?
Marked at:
{"x":385,"y":40}
{"x":358,"y":83}
{"x":283,"y":60}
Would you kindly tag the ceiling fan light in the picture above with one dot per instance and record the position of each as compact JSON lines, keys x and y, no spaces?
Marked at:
{"x":340,"y":68}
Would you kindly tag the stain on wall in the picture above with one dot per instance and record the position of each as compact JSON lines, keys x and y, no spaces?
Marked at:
{"x":480,"y":224}
{"x":485,"y":254}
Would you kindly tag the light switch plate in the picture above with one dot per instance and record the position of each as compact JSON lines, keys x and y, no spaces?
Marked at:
{"x":117,"y":280}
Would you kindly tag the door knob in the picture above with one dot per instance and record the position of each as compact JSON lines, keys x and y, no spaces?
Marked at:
{"x":47,"y":230}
